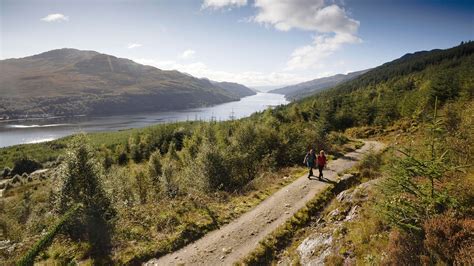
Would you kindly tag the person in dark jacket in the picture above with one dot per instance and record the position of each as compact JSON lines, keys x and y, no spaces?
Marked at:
{"x":321,"y":163}
{"x":310,"y":160}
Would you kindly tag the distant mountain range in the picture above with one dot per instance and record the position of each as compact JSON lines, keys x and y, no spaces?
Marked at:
{"x":307,"y":88}
{"x":67,"y":82}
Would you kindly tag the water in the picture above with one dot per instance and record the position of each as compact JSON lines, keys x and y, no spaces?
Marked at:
{"x":13,"y":133}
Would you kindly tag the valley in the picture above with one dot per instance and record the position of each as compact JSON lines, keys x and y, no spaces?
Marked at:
{"x":194,"y":187}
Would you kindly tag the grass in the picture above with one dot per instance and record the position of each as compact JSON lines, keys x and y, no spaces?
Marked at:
{"x":278,"y":239}
{"x":48,"y":151}
{"x":142,"y":231}
{"x":268,"y":248}
{"x":155,"y":229}
{"x":287,"y":237}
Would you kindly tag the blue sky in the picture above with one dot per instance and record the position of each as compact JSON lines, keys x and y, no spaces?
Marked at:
{"x":254,"y":42}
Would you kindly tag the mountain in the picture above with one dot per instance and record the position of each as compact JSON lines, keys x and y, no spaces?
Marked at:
{"x":75,"y":82}
{"x":307,"y":88}
{"x":407,"y":88}
{"x":235,"y":89}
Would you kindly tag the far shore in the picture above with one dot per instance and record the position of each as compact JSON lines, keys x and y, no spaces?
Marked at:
{"x":38,"y":118}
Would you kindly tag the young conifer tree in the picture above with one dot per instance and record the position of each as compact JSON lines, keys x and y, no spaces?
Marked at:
{"x":82,"y":186}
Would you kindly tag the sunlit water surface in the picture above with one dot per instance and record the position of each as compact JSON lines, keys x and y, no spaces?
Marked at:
{"x":13,"y":133}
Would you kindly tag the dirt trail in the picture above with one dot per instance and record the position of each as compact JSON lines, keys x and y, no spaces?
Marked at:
{"x":235,"y":240}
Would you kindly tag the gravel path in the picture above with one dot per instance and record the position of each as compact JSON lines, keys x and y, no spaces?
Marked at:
{"x":235,"y":240}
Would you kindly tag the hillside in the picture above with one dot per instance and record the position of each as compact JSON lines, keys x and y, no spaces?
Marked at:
{"x":307,"y":88}
{"x":152,"y":201}
{"x":235,"y":89}
{"x":415,"y":196}
{"x":404,"y":88}
{"x":75,"y":82}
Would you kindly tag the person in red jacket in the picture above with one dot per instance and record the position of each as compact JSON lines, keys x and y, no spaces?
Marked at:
{"x":321,"y":163}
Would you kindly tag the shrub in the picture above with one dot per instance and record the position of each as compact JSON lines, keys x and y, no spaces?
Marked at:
{"x":370,"y":165}
{"x":447,"y":239}
{"x":404,"y":249}
{"x":121,"y":153}
{"x":215,"y":169}
{"x":335,"y":138}
{"x":6,"y":172}
{"x":170,"y":169}
{"x":16,"y":179}
{"x":155,"y":169}
{"x":142,"y":184}
{"x":25,"y":165}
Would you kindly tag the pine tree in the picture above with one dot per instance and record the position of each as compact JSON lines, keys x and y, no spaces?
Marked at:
{"x":82,"y":186}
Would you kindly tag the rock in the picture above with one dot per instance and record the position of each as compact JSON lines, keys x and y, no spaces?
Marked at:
{"x":211,"y":250}
{"x":352,"y":213}
{"x":226,"y":250}
{"x":347,"y":177}
{"x":320,"y":243}
{"x":341,"y":196}
{"x":15,"y":179}
{"x":4,"y":244}
{"x":333,"y":214}
{"x":287,"y":205}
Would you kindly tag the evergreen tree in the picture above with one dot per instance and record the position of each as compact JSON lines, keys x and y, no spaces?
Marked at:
{"x":82,"y":186}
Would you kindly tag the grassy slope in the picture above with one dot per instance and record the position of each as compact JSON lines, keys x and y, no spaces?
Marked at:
{"x":393,"y":103}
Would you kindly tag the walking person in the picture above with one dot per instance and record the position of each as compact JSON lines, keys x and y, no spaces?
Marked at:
{"x":309,"y":160}
{"x":321,"y":163}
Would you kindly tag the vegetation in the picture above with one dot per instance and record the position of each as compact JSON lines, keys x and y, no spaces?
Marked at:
{"x":268,"y":248}
{"x":29,"y":258}
{"x":402,"y":89}
{"x":161,"y":187}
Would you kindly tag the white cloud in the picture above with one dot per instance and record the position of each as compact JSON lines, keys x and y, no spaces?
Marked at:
{"x":55,"y":18}
{"x":331,"y":23}
{"x":311,"y":15}
{"x":188,"y":54}
{"x":323,"y":45}
{"x":217,"y":4}
{"x":133,"y":45}
{"x":249,"y":78}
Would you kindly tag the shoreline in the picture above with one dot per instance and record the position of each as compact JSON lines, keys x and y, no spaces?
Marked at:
{"x":36,"y":130}
{"x":115,"y":114}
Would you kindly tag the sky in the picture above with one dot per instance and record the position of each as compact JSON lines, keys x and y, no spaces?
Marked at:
{"x":259,"y":43}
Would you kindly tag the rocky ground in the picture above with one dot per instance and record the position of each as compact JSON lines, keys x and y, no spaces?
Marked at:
{"x":325,"y":237}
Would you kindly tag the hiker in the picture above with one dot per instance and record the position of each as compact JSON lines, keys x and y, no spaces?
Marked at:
{"x":321,"y":163}
{"x":309,"y":160}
